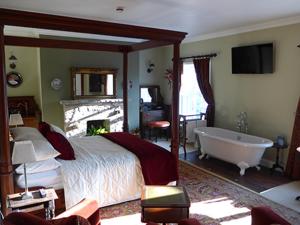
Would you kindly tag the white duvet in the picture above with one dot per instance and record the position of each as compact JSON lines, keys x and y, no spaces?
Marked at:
{"x":103,"y":171}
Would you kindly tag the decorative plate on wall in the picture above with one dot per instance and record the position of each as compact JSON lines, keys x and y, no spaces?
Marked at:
{"x":56,"y":84}
{"x":14,"y":79}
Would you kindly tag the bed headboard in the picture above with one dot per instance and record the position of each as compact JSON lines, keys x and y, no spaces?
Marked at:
{"x":27,"y":107}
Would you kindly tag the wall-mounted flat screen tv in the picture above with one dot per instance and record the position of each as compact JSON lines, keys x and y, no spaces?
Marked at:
{"x":254,"y":59}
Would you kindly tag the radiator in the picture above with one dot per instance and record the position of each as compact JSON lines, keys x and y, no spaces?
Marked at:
{"x":191,"y":124}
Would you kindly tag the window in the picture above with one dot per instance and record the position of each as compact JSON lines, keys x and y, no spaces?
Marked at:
{"x":191,"y":100}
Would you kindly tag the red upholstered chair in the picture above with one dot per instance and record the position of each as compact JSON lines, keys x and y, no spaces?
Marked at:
{"x":85,"y":212}
{"x":266,"y":216}
{"x":259,"y":215}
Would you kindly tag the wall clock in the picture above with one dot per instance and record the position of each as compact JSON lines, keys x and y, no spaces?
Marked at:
{"x":56,"y":84}
{"x":14,"y":79}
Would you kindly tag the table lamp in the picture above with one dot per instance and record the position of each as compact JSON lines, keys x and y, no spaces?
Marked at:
{"x":23,"y":152}
{"x":15,"y":119}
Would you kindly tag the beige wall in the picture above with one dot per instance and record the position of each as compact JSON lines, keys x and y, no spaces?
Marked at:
{"x":269,"y":99}
{"x":28,"y":66}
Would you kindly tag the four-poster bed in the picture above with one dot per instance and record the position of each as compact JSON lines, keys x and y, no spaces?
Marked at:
{"x":154,"y":38}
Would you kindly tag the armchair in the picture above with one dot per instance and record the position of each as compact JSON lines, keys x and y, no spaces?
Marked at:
{"x":85,"y":212}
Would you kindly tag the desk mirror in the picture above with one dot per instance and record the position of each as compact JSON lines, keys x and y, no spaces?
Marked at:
{"x":93,"y":82}
{"x":150,"y":95}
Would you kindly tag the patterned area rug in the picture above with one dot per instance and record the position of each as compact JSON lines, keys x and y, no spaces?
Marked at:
{"x":214,"y":201}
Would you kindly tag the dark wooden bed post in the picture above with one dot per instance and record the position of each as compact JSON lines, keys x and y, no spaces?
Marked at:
{"x":154,"y":38}
{"x":6,"y":169}
{"x":125,"y":90}
{"x":175,"y":101}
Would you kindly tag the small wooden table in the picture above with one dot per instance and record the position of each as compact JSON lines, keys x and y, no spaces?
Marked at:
{"x":16,"y":203}
{"x":164,"y":204}
{"x":276,"y":164}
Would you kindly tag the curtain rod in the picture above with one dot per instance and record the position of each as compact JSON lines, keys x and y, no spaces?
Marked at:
{"x":200,"y":56}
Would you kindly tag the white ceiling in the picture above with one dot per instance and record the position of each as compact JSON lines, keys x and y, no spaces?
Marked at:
{"x":200,"y":18}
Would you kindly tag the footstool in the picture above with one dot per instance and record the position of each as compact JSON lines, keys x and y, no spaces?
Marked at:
{"x":164,"y":204}
{"x":158,"y":125}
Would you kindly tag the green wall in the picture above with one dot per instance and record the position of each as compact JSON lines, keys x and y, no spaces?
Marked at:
{"x":157,"y":56}
{"x":56,"y":63}
{"x":29,"y":68}
{"x":269,"y":99}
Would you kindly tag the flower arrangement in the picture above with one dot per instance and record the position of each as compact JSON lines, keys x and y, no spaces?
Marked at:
{"x":96,"y":131}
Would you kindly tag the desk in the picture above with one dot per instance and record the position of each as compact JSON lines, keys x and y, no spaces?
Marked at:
{"x":164,"y":204}
{"x":16,"y":203}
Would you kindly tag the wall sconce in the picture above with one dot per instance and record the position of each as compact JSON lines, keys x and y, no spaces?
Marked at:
{"x":13,"y":60}
{"x":150,"y":67}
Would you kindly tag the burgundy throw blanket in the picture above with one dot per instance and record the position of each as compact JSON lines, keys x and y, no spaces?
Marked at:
{"x":159,"y":166}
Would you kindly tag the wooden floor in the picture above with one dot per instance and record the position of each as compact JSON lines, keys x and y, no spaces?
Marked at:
{"x":255,"y":180}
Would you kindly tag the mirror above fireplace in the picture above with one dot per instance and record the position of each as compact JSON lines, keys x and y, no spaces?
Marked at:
{"x":93,"y":82}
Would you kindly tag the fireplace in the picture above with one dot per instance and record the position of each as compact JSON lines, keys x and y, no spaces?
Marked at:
{"x":94,"y":127}
{"x":78,"y":113}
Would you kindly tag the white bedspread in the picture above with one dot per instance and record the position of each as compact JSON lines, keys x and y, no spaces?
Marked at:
{"x":103,"y":171}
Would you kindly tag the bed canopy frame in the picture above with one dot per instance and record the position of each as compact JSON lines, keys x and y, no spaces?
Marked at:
{"x":155,"y":38}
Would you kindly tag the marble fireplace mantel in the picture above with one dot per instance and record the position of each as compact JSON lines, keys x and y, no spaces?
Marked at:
{"x":78,"y":112}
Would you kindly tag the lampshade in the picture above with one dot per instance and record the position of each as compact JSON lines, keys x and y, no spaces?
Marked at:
{"x":298,"y":149}
{"x":23,"y":152}
{"x":15,"y":119}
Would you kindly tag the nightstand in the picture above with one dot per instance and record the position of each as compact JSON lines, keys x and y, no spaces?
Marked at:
{"x":15,"y":202}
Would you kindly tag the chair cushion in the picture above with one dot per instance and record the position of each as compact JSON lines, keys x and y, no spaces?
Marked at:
{"x":159,"y":124}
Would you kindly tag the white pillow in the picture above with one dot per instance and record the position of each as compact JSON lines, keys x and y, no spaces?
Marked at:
{"x":44,"y":150}
{"x":38,"y":167}
{"x":26,"y":133}
{"x":57,"y":130}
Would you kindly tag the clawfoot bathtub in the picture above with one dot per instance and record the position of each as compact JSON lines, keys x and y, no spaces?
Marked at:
{"x":238,"y":148}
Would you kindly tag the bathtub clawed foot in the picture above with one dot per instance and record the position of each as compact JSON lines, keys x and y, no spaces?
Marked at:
{"x":243,"y":166}
{"x":202,"y":156}
{"x":258,"y":168}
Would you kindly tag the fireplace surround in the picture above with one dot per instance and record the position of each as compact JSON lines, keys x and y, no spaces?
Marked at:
{"x":78,"y":112}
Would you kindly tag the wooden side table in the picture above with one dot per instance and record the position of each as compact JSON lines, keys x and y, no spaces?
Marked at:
{"x":15,"y":202}
{"x":276,"y":164}
{"x":164,"y":204}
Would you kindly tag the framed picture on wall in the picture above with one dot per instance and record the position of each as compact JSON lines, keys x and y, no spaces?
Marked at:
{"x":14,"y":79}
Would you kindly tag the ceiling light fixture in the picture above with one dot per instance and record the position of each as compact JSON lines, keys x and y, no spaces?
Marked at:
{"x":120,"y":9}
